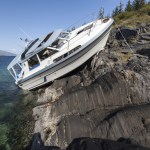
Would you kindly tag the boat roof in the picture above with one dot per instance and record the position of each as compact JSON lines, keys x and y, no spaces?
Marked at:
{"x":40,"y":44}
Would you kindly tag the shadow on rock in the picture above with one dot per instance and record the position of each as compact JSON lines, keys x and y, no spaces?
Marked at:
{"x":37,"y":144}
{"x":128,"y":141}
{"x":145,"y":52}
{"x":101,"y":144}
{"x":127,"y":33}
{"x":87,"y":143}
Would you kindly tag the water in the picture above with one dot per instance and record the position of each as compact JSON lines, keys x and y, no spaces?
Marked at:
{"x":16,"y":122}
{"x":7,"y":87}
{"x":8,"y":98}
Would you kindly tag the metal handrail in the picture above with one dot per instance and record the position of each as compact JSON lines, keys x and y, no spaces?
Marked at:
{"x":72,"y":43}
{"x":84,"y":20}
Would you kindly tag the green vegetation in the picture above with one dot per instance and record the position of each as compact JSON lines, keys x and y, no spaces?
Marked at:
{"x":16,"y":122}
{"x":124,"y":57}
{"x":21,"y":122}
{"x":4,"y":112}
{"x":129,"y":6}
{"x":136,"y":12}
{"x":4,"y":137}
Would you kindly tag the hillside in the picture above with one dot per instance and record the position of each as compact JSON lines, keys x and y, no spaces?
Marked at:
{"x":134,"y":18}
{"x":4,"y":53}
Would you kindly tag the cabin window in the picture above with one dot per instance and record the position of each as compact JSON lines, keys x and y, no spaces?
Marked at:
{"x":80,"y":31}
{"x":20,"y":64}
{"x":29,"y":46}
{"x":55,"y":43}
{"x":60,"y":57}
{"x":46,"y":53}
{"x":33,"y":62}
{"x":88,"y":27}
{"x":17,"y":69}
{"x":12,"y":72}
{"x":74,"y":49}
{"x":67,"y":54}
{"x":64,"y":35}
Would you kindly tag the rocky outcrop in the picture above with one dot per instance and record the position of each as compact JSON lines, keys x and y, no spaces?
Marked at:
{"x":107,"y":97}
{"x":127,"y":33}
{"x":90,"y":144}
{"x":100,"y":144}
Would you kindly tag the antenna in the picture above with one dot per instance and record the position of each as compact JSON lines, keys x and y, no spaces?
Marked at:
{"x":25,"y":33}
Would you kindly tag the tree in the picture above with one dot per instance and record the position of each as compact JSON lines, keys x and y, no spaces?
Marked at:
{"x":101,"y":13}
{"x":128,"y":6}
{"x":137,"y":4}
{"x":120,"y":7}
{"x":115,"y":11}
{"x":142,"y":3}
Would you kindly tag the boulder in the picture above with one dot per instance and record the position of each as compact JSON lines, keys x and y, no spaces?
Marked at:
{"x":127,"y":33}
{"x":101,"y":144}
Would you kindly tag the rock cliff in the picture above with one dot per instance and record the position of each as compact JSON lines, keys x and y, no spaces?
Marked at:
{"x":107,"y":97}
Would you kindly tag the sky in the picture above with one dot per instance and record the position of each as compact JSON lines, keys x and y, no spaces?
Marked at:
{"x":39,"y":17}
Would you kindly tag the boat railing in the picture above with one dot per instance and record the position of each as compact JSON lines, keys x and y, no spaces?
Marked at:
{"x":69,"y":44}
{"x":89,"y":27}
{"x":81,"y":22}
{"x":84,"y":20}
{"x":78,"y":39}
{"x":70,"y":51}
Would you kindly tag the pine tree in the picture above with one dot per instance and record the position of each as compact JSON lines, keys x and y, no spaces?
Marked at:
{"x":120,"y":7}
{"x":137,"y":4}
{"x":128,"y":6}
{"x":101,"y":13}
{"x":115,"y":11}
{"x":142,"y":3}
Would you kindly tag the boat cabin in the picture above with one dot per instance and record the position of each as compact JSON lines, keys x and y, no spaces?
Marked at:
{"x":36,"y":52}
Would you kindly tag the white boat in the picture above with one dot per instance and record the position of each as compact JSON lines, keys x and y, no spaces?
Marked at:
{"x":58,"y":53}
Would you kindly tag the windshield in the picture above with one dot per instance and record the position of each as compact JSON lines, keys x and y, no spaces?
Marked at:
{"x":12,"y":72}
{"x":17,"y":69}
{"x":64,"y":35}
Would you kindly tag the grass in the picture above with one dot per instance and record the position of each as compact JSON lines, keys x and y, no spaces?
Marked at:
{"x":133,"y":18}
{"x":125,"y":56}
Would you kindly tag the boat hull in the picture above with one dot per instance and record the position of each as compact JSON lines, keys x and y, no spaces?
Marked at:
{"x":67,"y":65}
